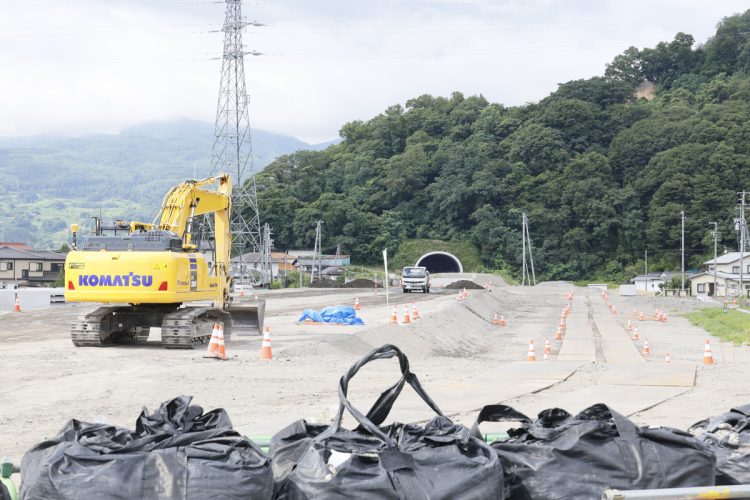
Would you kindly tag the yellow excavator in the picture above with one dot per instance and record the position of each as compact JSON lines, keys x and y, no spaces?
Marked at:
{"x":147,"y":275}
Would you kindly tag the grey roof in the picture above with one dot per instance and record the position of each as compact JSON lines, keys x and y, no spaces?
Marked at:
{"x":648,"y":277}
{"x":727,"y":276}
{"x":332,"y":271}
{"x":250,"y":257}
{"x":728,"y":258}
{"x":14,"y":253}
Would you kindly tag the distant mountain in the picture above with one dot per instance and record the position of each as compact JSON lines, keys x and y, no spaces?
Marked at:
{"x":52,"y":181}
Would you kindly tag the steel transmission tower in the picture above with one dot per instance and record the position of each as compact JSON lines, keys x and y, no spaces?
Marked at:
{"x":232,"y":150}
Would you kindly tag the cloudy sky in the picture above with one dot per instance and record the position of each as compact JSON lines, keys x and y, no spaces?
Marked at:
{"x":96,"y":66}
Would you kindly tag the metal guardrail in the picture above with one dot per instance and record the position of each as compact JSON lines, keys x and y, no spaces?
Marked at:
{"x":698,"y":493}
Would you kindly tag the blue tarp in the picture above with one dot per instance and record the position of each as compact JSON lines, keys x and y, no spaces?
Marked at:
{"x":342,"y":315}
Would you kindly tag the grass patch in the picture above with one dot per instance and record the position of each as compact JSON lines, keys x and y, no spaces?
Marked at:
{"x":410,"y":250}
{"x":730,"y":326}
{"x":507,"y":277}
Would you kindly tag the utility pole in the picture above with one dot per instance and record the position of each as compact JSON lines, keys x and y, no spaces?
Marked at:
{"x":317,"y":257}
{"x":232,"y":149}
{"x":525,"y":238}
{"x":715,"y":233}
{"x":682,"y":251}
{"x":645,"y":266}
{"x":266,"y":264}
{"x":531,"y":257}
{"x":524,"y":270}
{"x":743,"y":229}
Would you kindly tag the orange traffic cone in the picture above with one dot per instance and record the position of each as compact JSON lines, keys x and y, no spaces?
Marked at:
{"x":407,"y":319}
{"x":415,"y":312}
{"x":466,"y":294}
{"x":531,"y":356}
{"x":635,"y":334}
{"x":502,"y":320}
{"x":642,"y":317}
{"x":646,"y":348}
{"x":394,"y":317}
{"x":547,"y":348}
{"x":242,"y":293}
{"x":708,"y":357}
{"x":667,"y":359}
{"x":558,"y":335}
{"x":630,"y":326}
{"x":562,"y":323}
{"x":495,"y":320}
{"x":265,"y":348}
{"x":460,"y":296}
{"x":356,"y":303}
{"x":17,"y":306}
{"x":216,"y":347}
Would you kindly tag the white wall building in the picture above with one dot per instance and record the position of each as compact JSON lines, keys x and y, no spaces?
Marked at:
{"x":725,"y":272}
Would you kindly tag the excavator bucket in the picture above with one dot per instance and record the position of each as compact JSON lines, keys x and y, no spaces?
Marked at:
{"x":247,"y":317}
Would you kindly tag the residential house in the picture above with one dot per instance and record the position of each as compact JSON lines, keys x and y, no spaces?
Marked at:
{"x":725,"y":272}
{"x":332,"y":272}
{"x":652,"y":283}
{"x":281,"y":264}
{"x":29,"y":266}
{"x":306,"y":262}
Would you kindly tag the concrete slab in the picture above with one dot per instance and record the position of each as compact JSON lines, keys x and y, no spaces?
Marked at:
{"x":583,"y":358}
{"x":556,"y":370}
{"x":577,"y":346}
{"x":617,"y":347}
{"x":627,"y":399}
{"x":650,"y":374}
{"x":507,"y":382}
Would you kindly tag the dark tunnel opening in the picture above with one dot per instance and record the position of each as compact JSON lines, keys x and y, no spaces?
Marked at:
{"x":440,"y":263}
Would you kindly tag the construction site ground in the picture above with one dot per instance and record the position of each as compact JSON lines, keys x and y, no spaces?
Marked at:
{"x":461,"y":358}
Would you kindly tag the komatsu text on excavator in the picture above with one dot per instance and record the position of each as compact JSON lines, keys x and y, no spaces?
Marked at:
{"x":145,"y":276}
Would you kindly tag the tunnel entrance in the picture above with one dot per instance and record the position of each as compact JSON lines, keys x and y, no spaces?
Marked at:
{"x":440,"y":262}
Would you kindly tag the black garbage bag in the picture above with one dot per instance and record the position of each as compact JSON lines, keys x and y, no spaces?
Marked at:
{"x":564,"y":456}
{"x":177,"y":452}
{"x":440,"y":460}
{"x":728,"y":436}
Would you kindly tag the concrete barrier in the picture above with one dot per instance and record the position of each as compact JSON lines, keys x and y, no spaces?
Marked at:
{"x":31,"y":298}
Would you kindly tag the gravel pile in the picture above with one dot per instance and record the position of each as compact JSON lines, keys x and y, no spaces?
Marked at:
{"x":460,"y":284}
{"x":324,"y":284}
{"x":360,"y":283}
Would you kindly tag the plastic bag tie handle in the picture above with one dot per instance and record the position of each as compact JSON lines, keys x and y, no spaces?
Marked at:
{"x":625,"y":427}
{"x":382,"y":407}
{"x":498,"y":413}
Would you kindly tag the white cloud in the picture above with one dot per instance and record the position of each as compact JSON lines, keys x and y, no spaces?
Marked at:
{"x":79,"y":66}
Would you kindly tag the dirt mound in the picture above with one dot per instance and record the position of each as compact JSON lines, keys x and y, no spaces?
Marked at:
{"x":360,"y":283}
{"x":460,"y":284}
{"x":324,"y":284}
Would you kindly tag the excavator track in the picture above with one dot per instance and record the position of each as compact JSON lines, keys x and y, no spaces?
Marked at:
{"x":184,"y":328}
{"x":95,"y":329}
{"x":191,"y":327}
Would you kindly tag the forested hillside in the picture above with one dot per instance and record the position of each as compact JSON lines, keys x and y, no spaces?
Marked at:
{"x":602,"y":173}
{"x":50,"y":182}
